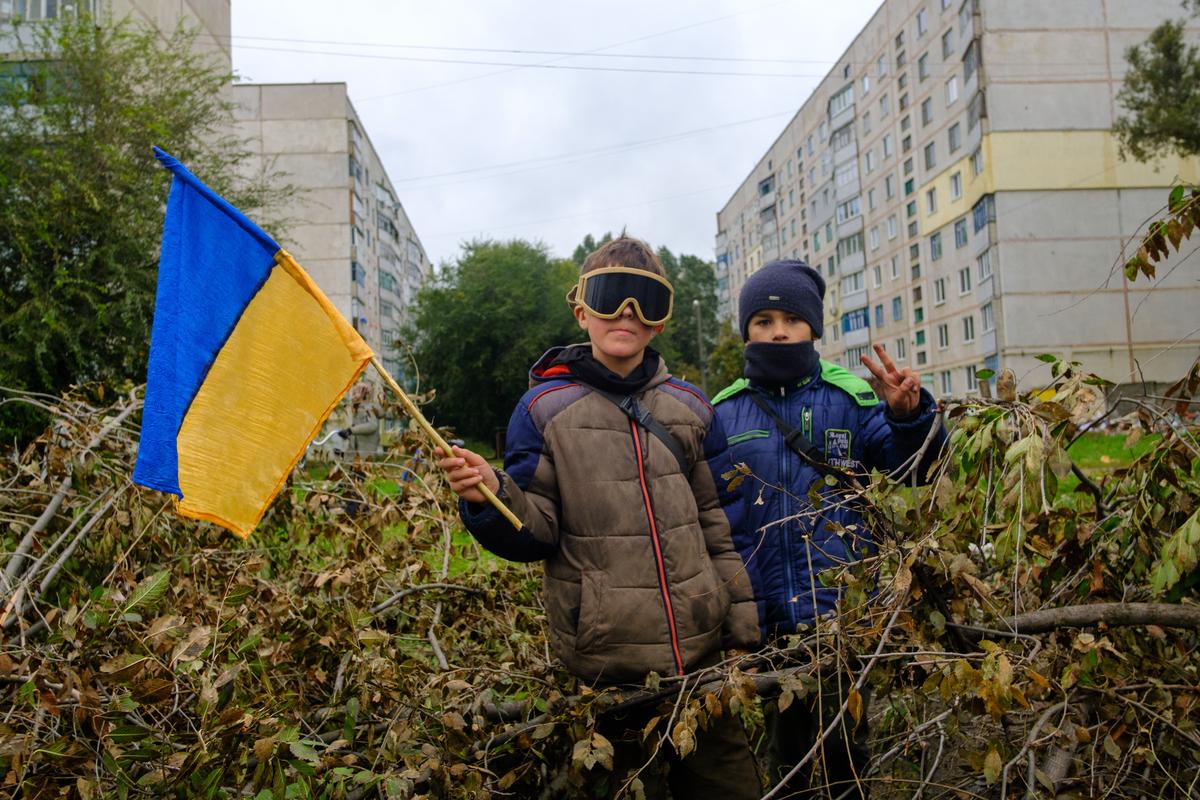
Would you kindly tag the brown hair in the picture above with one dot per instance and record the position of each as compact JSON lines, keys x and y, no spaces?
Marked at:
{"x":624,"y":251}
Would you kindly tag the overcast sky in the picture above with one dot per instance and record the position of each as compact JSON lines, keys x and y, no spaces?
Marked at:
{"x":585,"y":144}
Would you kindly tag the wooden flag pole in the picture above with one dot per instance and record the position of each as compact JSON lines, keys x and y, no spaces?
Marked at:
{"x":416,"y":414}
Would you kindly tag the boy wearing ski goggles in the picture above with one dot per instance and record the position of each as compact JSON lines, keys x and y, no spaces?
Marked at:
{"x":612,"y":466}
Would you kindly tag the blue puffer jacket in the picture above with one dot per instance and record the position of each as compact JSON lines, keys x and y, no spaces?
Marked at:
{"x":785,"y":542}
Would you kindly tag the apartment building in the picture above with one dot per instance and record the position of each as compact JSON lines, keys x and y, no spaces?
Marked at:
{"x":346,"y":223}
{"x":955,"y":179}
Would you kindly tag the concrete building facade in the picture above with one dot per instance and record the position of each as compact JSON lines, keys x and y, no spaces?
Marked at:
{"x":956,"y":181}
{"x":346,"y":224}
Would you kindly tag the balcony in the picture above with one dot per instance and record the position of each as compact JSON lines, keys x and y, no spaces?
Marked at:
{"x":767,"y":200}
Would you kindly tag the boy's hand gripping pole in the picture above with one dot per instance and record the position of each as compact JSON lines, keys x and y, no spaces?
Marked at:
{"x":416,"y":414}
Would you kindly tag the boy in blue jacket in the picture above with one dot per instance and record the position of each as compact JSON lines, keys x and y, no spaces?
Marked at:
{"x":836,"y":419}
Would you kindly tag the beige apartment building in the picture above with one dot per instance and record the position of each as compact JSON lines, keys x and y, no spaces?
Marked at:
{"x":346,"y":224}
{"x":955,"y":179}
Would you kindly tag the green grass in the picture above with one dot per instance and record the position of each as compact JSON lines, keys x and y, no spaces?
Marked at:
{"x":1103,"y":452}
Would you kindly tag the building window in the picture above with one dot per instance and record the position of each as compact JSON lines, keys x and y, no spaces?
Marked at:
{"x":881,"y":66}
{"x":896,"y":270}
{"x":975,"y":111}
{"x":922,"y":22}
{"x":952,"y":90}
{"x":901,"y":59}
{"x":877,"y":275}
{"x":977,"y":163}
{"x":854,"y":355}
{"x":912,"y":229}
{"x":866,"y":121}
{"x":906,"y":143}
{"x":931,"y":201}
{"x":985,"y":265}
{"x":855,"y":320}
{"x":920,"y":338}
{"x":971,"y":60}
{"x":875,"y":238}
{"x":887,"y":145}
{"x":935,"y":247}
{"x":969,"y":328}
{"x":903,"y":100}
{"x":841,"y":101}
{"x":922,"y":358}
{"x":919,"y":316}
{"x":964,"y":280}
{"x":358,"y":274}
{"x":947,"y":43}
{"x":899,"y":40}
{"x":943,"y":334}
{"x":891,"y":227}
{"x":829,"y":231}
{"x":947,"y":382}
{"x":908,"y":166}
{"x":850,"y":285}
{"x":897,"y":305}
{"x":901,"y":347}
{"x":960,"y":233}
{"x":989,"y":321}
{"x":848,"y":210}
{"x":879,"y":316}
{"x":831,"y":266}
{"x":923,"y":67}
{"x":970,"y":381}
{"x":982,"y":213}
{"x":939,"y":291}
{"x":926,"y":111}
{"x":842,"y":137}
{"x":889,"y":187}
{"x":884,"y":108}
{"x":956,"y":186}
{"x":870,"y":161}
{"x":910,"y":185}
{"x":910,"y":209}
{"x":931,"y":155}
{"x":955,"y":136}
{"x":849,"y":246}
{"x":871,"y":200}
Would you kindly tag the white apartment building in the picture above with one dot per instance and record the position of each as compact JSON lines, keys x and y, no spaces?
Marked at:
{"x":955,"y":179}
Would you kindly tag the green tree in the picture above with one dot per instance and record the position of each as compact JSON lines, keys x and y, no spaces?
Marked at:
{"x":725,"y":363}
{"x":1161,"y":94}
{"x":82,"y":199}
{"x":479,"y":326}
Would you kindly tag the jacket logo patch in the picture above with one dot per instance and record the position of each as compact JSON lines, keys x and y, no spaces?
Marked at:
{"x":837,"y":448}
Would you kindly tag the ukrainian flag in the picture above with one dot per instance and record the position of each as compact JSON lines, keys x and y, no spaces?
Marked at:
{"x":247,"y":359}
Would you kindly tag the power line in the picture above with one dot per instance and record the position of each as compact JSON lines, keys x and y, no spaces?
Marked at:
{"x":545,"y":161}
{"x":541,"y":65}
{"x":465,"y":232}
{"x":598,"y":54}
{"x":517,"y":51}
{"x":596,"y":50}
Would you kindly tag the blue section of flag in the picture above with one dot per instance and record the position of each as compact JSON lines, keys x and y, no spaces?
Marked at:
{"x":212,"y":263}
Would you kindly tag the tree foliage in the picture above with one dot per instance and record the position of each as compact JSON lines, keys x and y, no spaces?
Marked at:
{"x":1161,"y":94}
{"x":82,"y":199}
{"x":725,"y":363}
{"x":482,"y":323}
{"x":1022,"y":632}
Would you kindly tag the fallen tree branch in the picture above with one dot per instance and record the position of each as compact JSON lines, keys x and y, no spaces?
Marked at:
{"x":1167,"y":615}
{"x":405,"y":592}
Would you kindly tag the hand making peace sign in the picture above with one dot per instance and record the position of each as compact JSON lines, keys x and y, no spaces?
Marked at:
{"x":901,"y":387}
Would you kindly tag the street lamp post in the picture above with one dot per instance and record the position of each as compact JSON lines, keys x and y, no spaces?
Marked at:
{"x":700,"y":348}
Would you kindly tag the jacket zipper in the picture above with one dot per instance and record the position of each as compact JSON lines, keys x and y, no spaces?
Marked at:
{"x":785,"y":470}
{"x":658,"y":556}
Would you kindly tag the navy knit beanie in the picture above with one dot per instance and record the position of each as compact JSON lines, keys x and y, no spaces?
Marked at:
{"x":789,"y":286}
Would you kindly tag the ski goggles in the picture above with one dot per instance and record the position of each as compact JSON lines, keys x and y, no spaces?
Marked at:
{"x":605,"y":293}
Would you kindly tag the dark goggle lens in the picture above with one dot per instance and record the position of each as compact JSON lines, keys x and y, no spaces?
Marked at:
{"x":607,"y":292}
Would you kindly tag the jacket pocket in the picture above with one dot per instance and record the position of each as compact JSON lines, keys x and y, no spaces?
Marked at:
{"x":592,"y":627}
